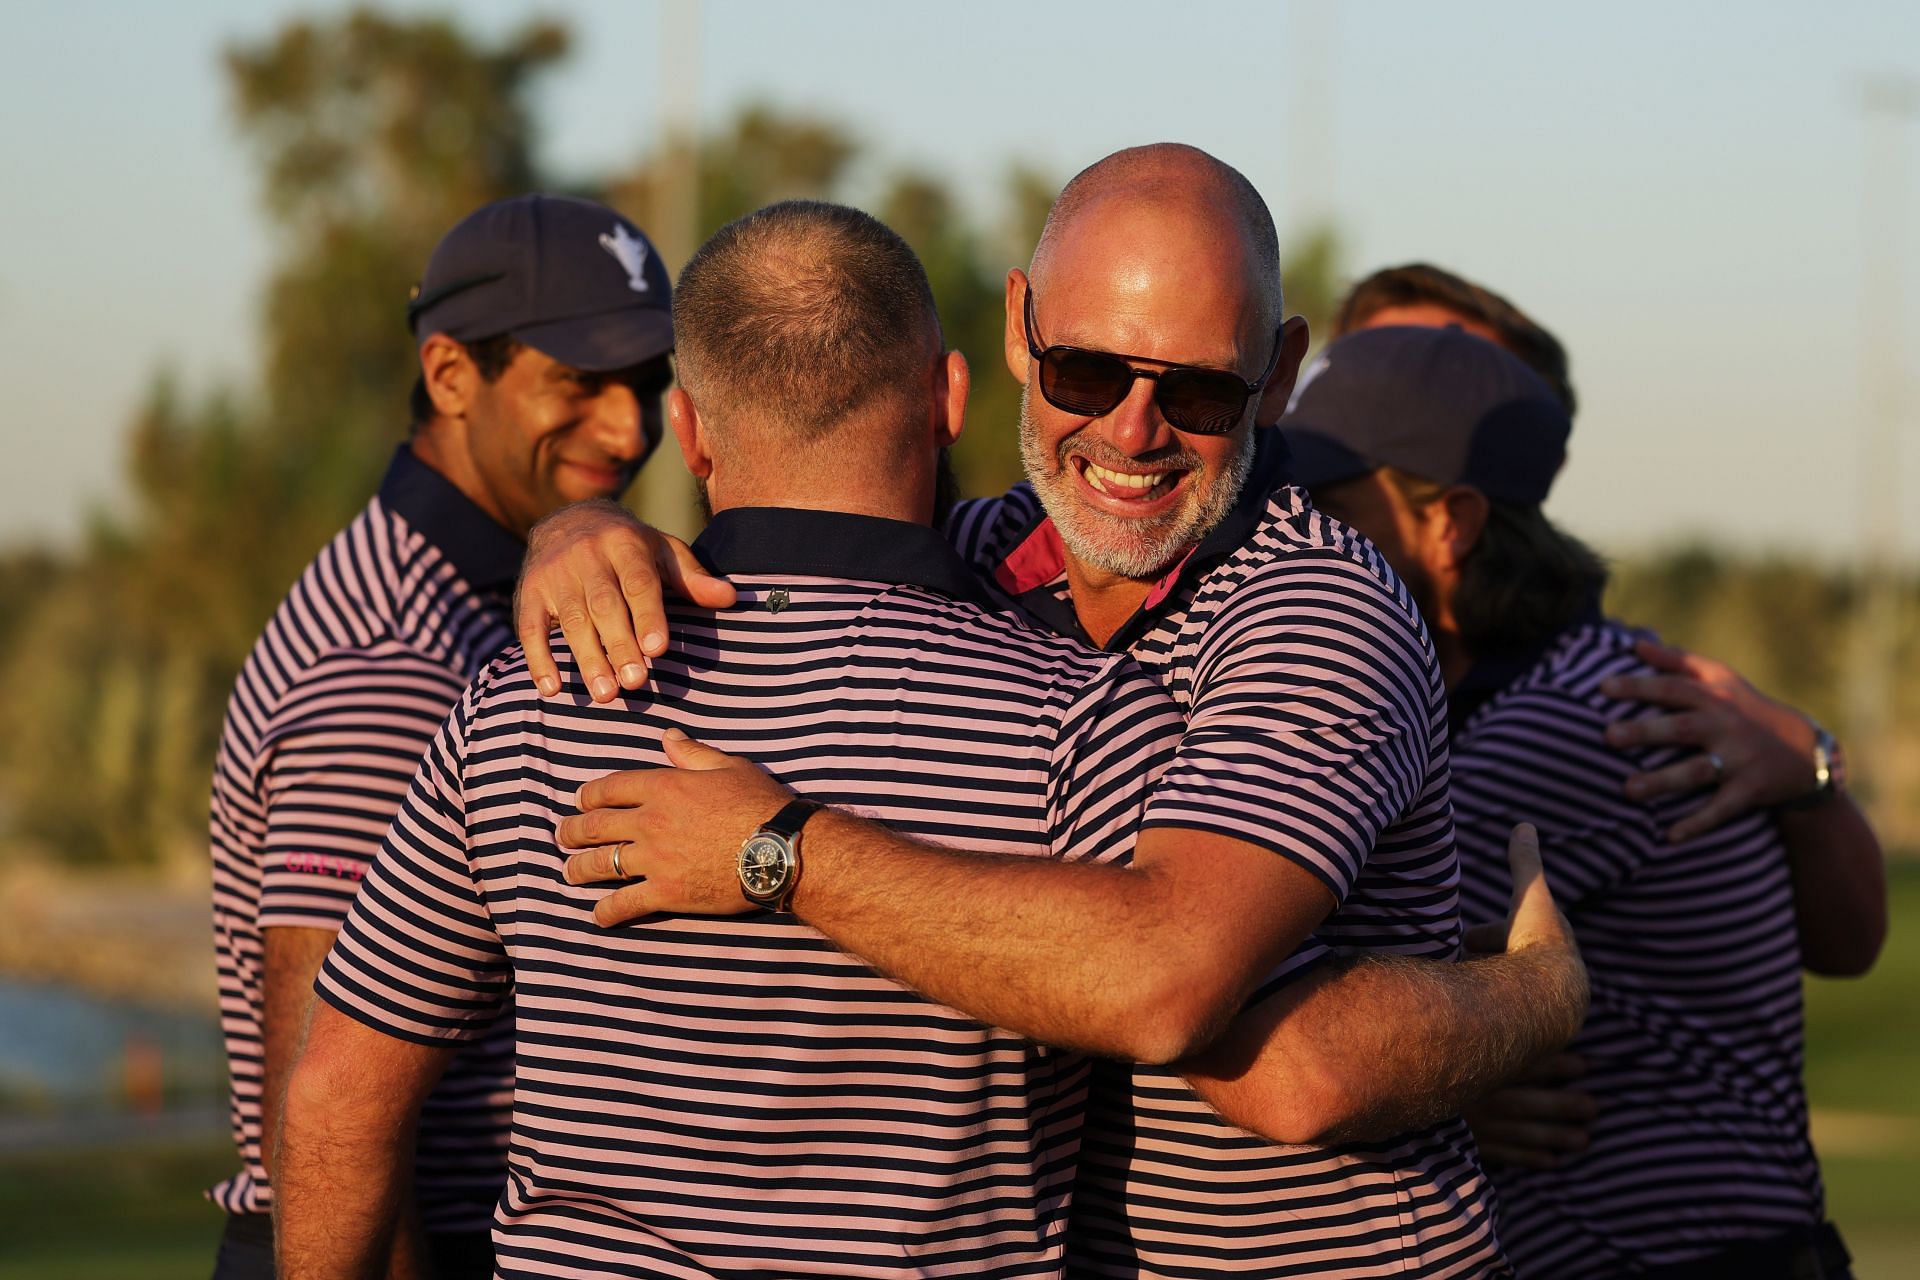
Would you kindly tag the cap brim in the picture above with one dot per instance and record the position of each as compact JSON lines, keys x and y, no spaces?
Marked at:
{"x":1317,"y":459}
{"x":602,"y":343}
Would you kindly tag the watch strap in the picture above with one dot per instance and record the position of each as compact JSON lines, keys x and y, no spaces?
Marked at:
{"x":791,"y":818}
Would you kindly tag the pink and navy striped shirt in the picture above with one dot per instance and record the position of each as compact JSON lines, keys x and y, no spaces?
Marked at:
{"x":1694,"y":1038}
{"x":1316,"y":728}
{"x":326,"y":726}
{"x":704,"y":1097}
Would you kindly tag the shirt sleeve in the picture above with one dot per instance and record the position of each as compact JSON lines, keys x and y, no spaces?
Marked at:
{"x":348,"y":741}
{"x":1316,"y":719}
{"x":419,"y":957}
{"x":1116,"y":738}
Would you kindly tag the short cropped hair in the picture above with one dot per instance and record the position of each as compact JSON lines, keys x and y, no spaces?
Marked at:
{"x":1420,"y":282}
{"x":490,"y":356}
{"x":800,"y":315}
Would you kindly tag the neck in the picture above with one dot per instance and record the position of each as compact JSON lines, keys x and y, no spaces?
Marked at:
{"x":441,"y":445}
{"x":907,"y":499}
{"x":1104,"y":601}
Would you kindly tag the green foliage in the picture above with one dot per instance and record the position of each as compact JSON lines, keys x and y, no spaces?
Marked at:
{"x":373,"y":135}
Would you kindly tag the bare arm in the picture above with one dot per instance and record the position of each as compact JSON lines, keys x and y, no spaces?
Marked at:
{"x":1146,"y":962}
{"x":290,"y":964}
{"x":602,"y":576}
{"x":346,"y":1151}
{"x":1764,"y":751}
{"x":1368,"y":1048}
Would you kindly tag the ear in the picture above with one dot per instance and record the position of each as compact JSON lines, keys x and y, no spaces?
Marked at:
{"x":951,"y":381}
{"x":1461,"y":511}
{"x":450,"y":375}
{"x":1279,"y":388}
{"x":690,"y":432}
{"x":1019,"y":359}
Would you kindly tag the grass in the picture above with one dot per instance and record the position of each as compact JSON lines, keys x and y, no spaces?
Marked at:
{"x":129,"y":1214}
{"x":118,"y":1215}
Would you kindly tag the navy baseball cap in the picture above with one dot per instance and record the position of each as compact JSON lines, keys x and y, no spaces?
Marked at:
{"x":1436,"y":403}
{"x":568,"y":277}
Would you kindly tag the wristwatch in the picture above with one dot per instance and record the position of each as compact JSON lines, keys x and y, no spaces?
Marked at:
{"x":770,"y":859}
{"x":1829,"y":771}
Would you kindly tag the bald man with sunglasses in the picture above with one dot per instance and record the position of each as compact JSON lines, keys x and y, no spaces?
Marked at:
{"x":1294,"y":881}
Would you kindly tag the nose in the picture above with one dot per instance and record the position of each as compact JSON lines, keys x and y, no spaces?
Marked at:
{"x":617,"y":422}
{"x":1136,"y":426}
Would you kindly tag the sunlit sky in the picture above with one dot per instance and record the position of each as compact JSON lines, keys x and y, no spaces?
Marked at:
{"x":1677,"y":190}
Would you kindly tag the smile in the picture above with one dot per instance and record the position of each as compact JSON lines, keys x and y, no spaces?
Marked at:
{"x":1127,"y":485}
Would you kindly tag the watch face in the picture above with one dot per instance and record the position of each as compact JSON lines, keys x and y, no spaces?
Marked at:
{"x":765,"y":864}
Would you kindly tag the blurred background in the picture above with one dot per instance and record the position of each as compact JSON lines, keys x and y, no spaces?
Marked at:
{"x":214,"y":208}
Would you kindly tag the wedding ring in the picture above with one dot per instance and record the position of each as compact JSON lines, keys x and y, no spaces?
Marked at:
{"x":1719,"y":765}
{"x":619,"y":874}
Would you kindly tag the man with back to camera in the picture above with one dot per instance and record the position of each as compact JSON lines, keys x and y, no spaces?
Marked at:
{"x":1306,"y":815}
{"x":543,"y":333}
{"x":702,"y":1098}
{"x":1440,"y":447}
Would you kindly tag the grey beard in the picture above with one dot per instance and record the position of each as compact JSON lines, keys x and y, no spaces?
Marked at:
{"x":1138,"y":549}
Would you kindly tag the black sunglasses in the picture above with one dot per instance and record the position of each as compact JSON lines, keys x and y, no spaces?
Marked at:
{"x":1205,"y":402}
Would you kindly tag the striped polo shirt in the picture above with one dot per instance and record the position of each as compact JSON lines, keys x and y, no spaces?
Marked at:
{"x":1317,"y":730}
{"x":734,"y":1096}
{"x":1693,"y":1040}
{"x":326,"y":726}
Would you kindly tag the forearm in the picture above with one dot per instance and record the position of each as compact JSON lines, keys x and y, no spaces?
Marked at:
{"x":1367,"y":1048}
{"x":291,"y":960}
{"x":1086,"y":957}
{"x":343,"y":1177}
{"x":1839,"y":886}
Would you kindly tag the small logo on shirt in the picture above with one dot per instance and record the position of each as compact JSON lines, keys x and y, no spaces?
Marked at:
{"x":630,"y":251}
{"x":776,"y":601}
{"x":322,"y":864}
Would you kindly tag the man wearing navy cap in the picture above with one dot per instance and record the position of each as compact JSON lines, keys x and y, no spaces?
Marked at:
{"x":1440,"y":447}
{"x":543,"y":329}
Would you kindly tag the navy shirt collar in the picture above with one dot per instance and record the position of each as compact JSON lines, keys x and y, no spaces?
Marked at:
{"x":834,"y":544}
{"x":480,"y":550}
{"x":1488,"y":676}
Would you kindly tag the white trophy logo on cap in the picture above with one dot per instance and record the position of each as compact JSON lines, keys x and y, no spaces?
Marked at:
{"x":630,"y":251}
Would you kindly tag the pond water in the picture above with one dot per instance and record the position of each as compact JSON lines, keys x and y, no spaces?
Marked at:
{"x":61,"y":1045}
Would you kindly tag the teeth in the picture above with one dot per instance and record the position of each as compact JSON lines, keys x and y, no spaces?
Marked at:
{"x":1120,"y":480}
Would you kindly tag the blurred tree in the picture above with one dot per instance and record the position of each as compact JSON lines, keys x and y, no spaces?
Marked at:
{"x":1314,"y":279}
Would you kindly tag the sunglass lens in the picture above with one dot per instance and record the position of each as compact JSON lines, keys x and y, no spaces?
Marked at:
{"x":1084,"y":382}
{"x":1201,"y":401}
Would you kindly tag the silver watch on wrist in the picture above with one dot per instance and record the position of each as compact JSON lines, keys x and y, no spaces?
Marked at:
{"x":769,"y":864}
{"x":1829,"y":771}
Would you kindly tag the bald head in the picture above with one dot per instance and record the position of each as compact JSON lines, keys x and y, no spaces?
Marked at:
{"x":1202,"y":202}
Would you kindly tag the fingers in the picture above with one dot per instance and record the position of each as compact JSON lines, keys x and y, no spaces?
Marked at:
{"x":1659,"y":691}
{"x":688,"y":578}
{"x":1663,"y":657}
{"x":532,"y":624}
{"x":1689,"y":728}
{"x":627,"y":605}
{"x":1523,"y":1145}
{"x":1722,"y":807}
{"x":685,"y":753}
{"x":583,"y":633}
{"x":1534,"y":919}
{"x":596,"y":865}
{"x":1695,"y":773}
{"x":630,"y":903}
{"x":582,"y":831}
{"x":627,"y":789}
